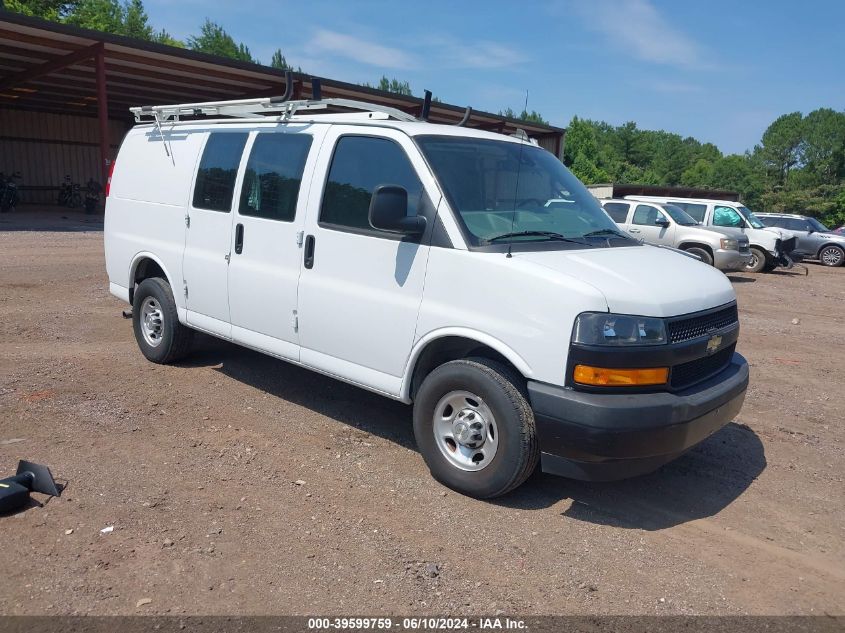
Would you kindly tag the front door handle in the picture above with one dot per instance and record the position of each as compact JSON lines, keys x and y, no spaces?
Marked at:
{"x":309,"y":252}
{"x":634,"y":231}
{"x":239,"y":239}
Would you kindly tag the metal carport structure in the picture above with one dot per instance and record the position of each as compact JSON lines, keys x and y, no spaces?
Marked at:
{"x":66,"y":71}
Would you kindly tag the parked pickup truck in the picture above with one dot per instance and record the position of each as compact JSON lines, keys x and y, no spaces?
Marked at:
{"x":668,"y":225}
{"x":461,"y":271}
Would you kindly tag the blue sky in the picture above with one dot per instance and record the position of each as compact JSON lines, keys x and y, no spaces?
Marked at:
{"x":718,"y":70}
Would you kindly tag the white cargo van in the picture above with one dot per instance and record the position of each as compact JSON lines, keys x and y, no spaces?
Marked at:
{"x":733,"y":219}
{"x":464,"y":272}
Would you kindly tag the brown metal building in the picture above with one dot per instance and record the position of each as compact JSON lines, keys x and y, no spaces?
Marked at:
{"x":65,"y":94}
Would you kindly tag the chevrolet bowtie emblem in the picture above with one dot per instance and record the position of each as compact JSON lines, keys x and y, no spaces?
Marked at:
{"x":714,"y":343}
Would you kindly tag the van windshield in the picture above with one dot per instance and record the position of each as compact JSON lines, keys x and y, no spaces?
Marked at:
{"x":752,"y":219}
{"x":679,"y":215}
{"x":505,"y":192}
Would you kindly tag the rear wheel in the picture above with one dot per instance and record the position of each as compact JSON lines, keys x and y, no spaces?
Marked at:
{"x":832,"y":256}
{"x":160,"y":336}
{"x":475,"y":428}
{"x":757,"y":262}
{"x":701,"y":253}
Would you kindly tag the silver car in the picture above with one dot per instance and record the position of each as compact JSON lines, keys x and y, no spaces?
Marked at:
{"x":668,"y":225}
{"x":814,"y":239}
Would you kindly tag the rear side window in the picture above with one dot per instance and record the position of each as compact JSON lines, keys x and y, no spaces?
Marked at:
{"x":618,"y":211}
{"x":727,"y":216}
{"x":794,"y":224}
{"x":645,"y":215}
{"x":696,"y":211}
{"x":217,"y":171}
{"x":772,"y":221}
{"x":359,"y":165}
{"x":273,"y":175}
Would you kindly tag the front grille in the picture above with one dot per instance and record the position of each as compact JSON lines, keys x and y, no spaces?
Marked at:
{"x":687,"y":329}
{"x":700,"y":369}
{"x":744,"y":248}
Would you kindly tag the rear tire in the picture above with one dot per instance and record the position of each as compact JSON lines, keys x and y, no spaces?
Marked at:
{"x":832,"y":256}
{"x":485,"y":443}
{"x":160,"y":336}
{"x":757,"y":262}
{"x":701,"y":253}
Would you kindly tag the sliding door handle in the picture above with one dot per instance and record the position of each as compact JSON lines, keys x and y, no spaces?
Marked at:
{"x":309,"y":252}
{"x":239,"y":239}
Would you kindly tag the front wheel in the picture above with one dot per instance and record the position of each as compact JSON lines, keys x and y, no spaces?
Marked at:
{"x":701,"y":253}
{"x":475,"y":428}
{"x":832,"y":256}
{"x":160,"y":336}
{"x":757,"y":262}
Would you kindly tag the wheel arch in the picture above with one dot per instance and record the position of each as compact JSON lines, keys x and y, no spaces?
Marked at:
{"x":448,"y":344}
{"x":145,"y":265}
{"x":692,"y":244}
{"x":841,"y":247}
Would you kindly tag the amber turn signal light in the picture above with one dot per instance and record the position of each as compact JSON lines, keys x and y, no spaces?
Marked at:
{"x":609,"y":377}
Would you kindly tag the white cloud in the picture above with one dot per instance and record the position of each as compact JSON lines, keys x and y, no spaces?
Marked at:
{"x":637,"y":27}
{"x":481,"y":54}
{"x":361,"y":50}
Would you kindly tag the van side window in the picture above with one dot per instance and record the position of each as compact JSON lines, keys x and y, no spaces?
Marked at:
{"x":359,"y":165}
{"x":273,"y":175}
{"x":645,"y":215}
{"x":618,"y":211}
{"x":727,"y":216}
{"x":697,"y":211}
{"x":217,"y":171}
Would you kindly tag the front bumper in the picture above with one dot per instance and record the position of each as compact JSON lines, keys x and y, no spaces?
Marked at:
{"x":730,"y":260}
{"x":603,"y":437}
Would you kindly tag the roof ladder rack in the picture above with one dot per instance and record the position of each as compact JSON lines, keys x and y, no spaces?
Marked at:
{"x":282,"y":107}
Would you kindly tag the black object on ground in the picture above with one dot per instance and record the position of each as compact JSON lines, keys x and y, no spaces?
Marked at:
{"x":31,"y":477}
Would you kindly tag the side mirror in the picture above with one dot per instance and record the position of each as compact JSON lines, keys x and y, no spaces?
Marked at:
{"x":661,"y":221}
{"x":389,"y":211}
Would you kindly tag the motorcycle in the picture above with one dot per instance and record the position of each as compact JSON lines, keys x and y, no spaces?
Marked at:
{"x":92,"y":196}
{"x":9,"y":195}
{"x":69,"y":193}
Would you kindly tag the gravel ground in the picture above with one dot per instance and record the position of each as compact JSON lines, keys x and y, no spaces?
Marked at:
{"x":238,"y":484}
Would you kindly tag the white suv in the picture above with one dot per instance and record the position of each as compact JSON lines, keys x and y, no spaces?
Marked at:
{"x":734,"y":219}
{"x":668,"y":225}
{"x":463,"y":271}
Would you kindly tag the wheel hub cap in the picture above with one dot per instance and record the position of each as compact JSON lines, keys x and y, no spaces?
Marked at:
{"x":465,"y":430}
{"x":152,"y":322}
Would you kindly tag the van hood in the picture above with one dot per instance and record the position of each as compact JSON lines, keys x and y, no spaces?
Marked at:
{"x":643,"y":280}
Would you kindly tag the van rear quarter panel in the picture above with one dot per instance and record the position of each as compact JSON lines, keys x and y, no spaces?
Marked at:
{"x":147,"y":203}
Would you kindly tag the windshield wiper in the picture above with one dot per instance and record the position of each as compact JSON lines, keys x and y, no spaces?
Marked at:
{"x":549,"y":234}
{"x":601,"y":232}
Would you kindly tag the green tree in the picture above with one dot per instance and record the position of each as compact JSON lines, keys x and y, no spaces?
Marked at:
{"x":136,"y":22}
{"x":278,"y":61}
{"x":46,"y":9}
{"x":214,"y":40}
{"x":163,"y":37}
{"x":823,"y":149}
{"x":781,"y":145}
{"x":100,"y":15}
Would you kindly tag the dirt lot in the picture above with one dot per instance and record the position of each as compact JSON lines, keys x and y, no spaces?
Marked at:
{"x":196,"y":467}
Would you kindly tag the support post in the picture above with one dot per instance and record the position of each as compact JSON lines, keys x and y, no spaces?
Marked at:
{"x":103,"y":114}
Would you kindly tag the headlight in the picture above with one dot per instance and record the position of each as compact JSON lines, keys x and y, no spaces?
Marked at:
{"x":601,"y":328}
{"x":729,"y":244}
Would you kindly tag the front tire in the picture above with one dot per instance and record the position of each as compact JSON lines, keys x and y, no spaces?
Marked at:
{"x":475,"y":428}
{"x":160,"y":336}
{"x":701,"y":253}
{"x":757,"y":262}
{"x":832,"y":256}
